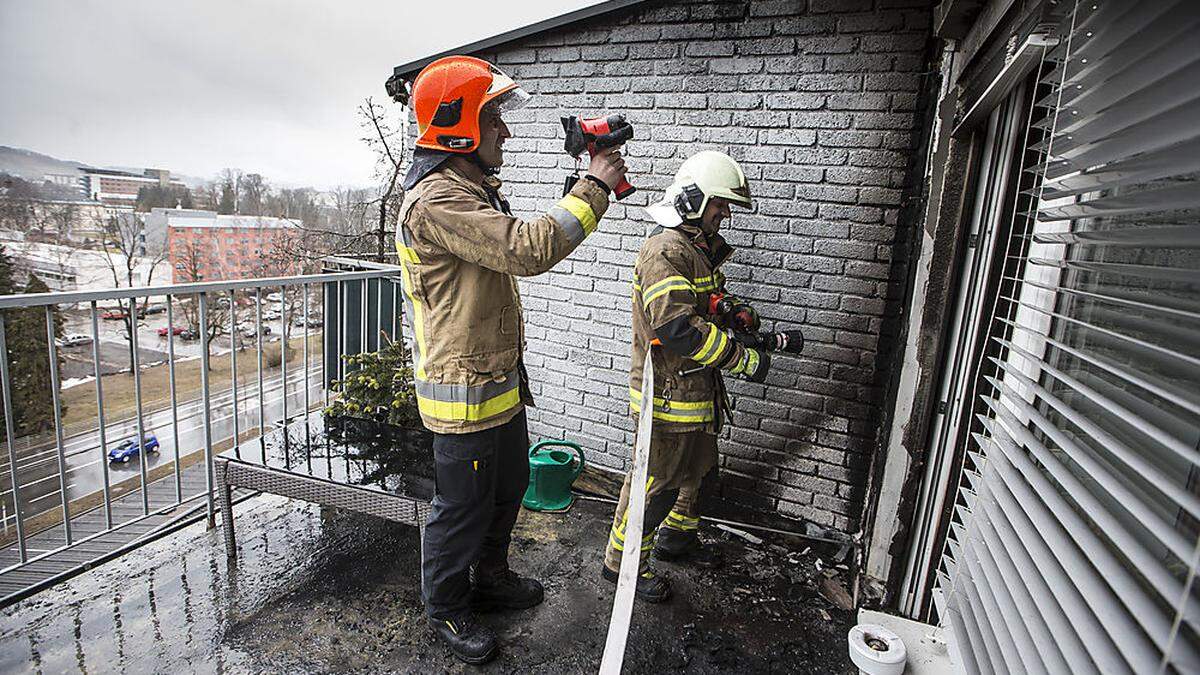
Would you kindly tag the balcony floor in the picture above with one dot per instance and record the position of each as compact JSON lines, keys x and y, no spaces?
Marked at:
{"x":319,"y":591}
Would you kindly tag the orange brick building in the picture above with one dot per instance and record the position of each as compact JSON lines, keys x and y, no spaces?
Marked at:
{"x":204,"y":246}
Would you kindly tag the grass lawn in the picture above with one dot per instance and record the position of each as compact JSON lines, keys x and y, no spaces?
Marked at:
{"x":119,"y":399}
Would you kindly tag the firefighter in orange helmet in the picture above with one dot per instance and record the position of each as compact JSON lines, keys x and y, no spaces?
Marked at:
{"x":460,"y":249}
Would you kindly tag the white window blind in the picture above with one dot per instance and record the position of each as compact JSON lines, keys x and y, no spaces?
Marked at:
{"x":1075,"y":547}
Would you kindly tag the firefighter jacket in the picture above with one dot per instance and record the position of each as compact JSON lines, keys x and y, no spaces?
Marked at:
{"x":676,"y":271}
{"x":460,"y":249}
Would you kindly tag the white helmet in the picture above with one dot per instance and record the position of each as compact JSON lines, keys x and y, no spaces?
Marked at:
{"x":702,"y":176}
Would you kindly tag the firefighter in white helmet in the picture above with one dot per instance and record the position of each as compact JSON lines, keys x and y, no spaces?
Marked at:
{"x":676,"y":278}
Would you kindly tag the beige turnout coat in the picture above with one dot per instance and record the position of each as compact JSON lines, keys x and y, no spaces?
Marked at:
{"x":460,"y":250}
{"x":677,"y":270}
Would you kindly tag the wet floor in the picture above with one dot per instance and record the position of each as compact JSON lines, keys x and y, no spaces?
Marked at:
{"x":319,"y":590}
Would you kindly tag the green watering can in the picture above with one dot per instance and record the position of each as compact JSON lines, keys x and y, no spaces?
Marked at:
{"x":551,"y":473}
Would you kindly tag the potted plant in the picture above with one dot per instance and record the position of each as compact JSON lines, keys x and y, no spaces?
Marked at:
{"x":376,"y":392}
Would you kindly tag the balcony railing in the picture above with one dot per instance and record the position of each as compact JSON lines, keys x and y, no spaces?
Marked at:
{"x":60,"y":489}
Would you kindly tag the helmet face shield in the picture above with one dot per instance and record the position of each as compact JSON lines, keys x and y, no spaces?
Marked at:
{"x":503,"y":93}
{"x":513,"y":99}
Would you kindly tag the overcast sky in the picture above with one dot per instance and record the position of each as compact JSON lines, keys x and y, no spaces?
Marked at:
{"x":268,"y":86}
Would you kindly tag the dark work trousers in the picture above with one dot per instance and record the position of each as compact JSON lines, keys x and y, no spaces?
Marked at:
{"x":481,"y":478}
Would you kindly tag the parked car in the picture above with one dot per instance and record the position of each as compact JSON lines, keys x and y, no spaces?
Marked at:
{"x":73,"y":340}
{"x":313,"y":322}
{"x":129,"y":448}
{"x":114,"y":315}
{"x":274,"y":297}
{"x":271,"y":315}
{"x":153,"y":309}
{"x":248,"y":331}
{"x":177,"y":330}
{"x":189,"y":334}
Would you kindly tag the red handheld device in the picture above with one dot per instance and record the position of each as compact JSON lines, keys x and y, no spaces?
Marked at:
{"x":596,"y":134}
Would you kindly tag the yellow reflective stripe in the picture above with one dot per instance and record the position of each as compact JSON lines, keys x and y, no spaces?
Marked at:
{"x":708,"y":283}
{"x":681,"y":522}
{"x":636,"y":396}
{"x":677,"y":286}
{"x":462,"y":411}
{"x":689,"y":418}
{"x":708,"y":343}
{"x":751,"y":361}
{"x":672,"y":283}
{"x":713,"y":347}
{"x":418,"y":319}
{"x":407,"y":253}
{"x":581,"y":210}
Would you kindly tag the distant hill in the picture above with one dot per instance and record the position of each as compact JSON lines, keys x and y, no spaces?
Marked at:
{"x":32,"y":165}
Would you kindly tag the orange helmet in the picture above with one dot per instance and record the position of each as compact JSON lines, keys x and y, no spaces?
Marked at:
{"x":448,"y":95}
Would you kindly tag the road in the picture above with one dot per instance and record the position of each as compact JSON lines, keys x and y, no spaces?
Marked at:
{"x":86,"y":461}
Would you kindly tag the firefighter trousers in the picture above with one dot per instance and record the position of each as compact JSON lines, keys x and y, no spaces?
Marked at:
{"x":481,"y":478}
{"x":678,"y":463}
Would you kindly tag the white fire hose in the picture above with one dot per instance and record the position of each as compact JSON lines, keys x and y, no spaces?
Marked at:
{"x":622,"y":611}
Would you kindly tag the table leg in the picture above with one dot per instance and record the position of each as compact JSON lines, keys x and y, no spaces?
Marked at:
{"x":225,"y":505}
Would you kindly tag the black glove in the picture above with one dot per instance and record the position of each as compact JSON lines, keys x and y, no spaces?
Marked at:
{"x":754,"y":365}
{"x":744,"y":318}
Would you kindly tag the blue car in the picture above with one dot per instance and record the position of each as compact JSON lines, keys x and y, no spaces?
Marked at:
{"x":128,"y":449}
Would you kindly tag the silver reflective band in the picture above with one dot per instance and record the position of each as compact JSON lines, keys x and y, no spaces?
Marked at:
{"x":569,"y":224}
{"x":470,"y":395}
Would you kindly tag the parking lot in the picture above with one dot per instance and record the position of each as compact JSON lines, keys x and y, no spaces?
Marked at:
{"x":152,"y":338}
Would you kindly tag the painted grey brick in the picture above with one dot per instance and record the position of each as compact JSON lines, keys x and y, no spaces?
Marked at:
{"x":815,"y":99}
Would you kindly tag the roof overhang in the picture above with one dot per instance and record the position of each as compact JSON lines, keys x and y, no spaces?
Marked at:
{"x":407,"y":71}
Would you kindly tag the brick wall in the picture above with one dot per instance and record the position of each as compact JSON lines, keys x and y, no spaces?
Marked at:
{"x":818,"y":101}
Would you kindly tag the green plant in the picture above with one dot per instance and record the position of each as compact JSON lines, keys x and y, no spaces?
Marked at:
{"x":377,"y":386}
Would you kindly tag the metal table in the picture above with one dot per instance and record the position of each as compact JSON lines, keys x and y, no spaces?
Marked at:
{"x":386,"y":472}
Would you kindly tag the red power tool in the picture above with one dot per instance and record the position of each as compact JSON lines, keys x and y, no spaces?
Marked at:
{"x":596,"y":134}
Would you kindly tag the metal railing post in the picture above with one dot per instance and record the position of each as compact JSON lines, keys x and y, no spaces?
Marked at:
{"x":307,"y":365}
{"x":233,"y":374}
{"x":283,"y":347}
{"x":174,"y":394}
{"x":204,"y":394}
{"x":9,"y":423}
{"x":100,"y":415}
{"x":137,"y":402}
{"x":258,"y":341}
{"x":52,"y":348}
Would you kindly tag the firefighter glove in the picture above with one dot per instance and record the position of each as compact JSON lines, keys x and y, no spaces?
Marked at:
{"x":753,"y":365}
{"x":744,"y":318}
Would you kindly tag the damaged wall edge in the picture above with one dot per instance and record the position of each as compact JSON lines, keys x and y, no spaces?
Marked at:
{"x":896,"y":472}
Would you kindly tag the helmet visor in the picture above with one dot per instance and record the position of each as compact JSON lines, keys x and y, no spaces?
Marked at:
{"x":513,"y":99}
{"x":504,"y":93}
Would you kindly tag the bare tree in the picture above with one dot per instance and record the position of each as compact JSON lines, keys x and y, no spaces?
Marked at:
{"x":208,"y":196}
{"x":386,"y":139}
{"x":193,"y":263}
{"x":253,"y":193}
{"x":124,"y":249}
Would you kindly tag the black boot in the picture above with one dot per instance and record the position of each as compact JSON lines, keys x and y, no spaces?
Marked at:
{"x":679,"y":546}
{"x":468,"y":639}
{"x":650,"y":587}
{"x":505,"y":590}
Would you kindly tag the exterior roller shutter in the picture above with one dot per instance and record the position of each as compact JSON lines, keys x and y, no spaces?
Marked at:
{"x":1074,"y":546}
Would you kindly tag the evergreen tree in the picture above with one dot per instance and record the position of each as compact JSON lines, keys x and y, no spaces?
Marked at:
{"x":29,"y":367}
{"x":228,"y":199}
